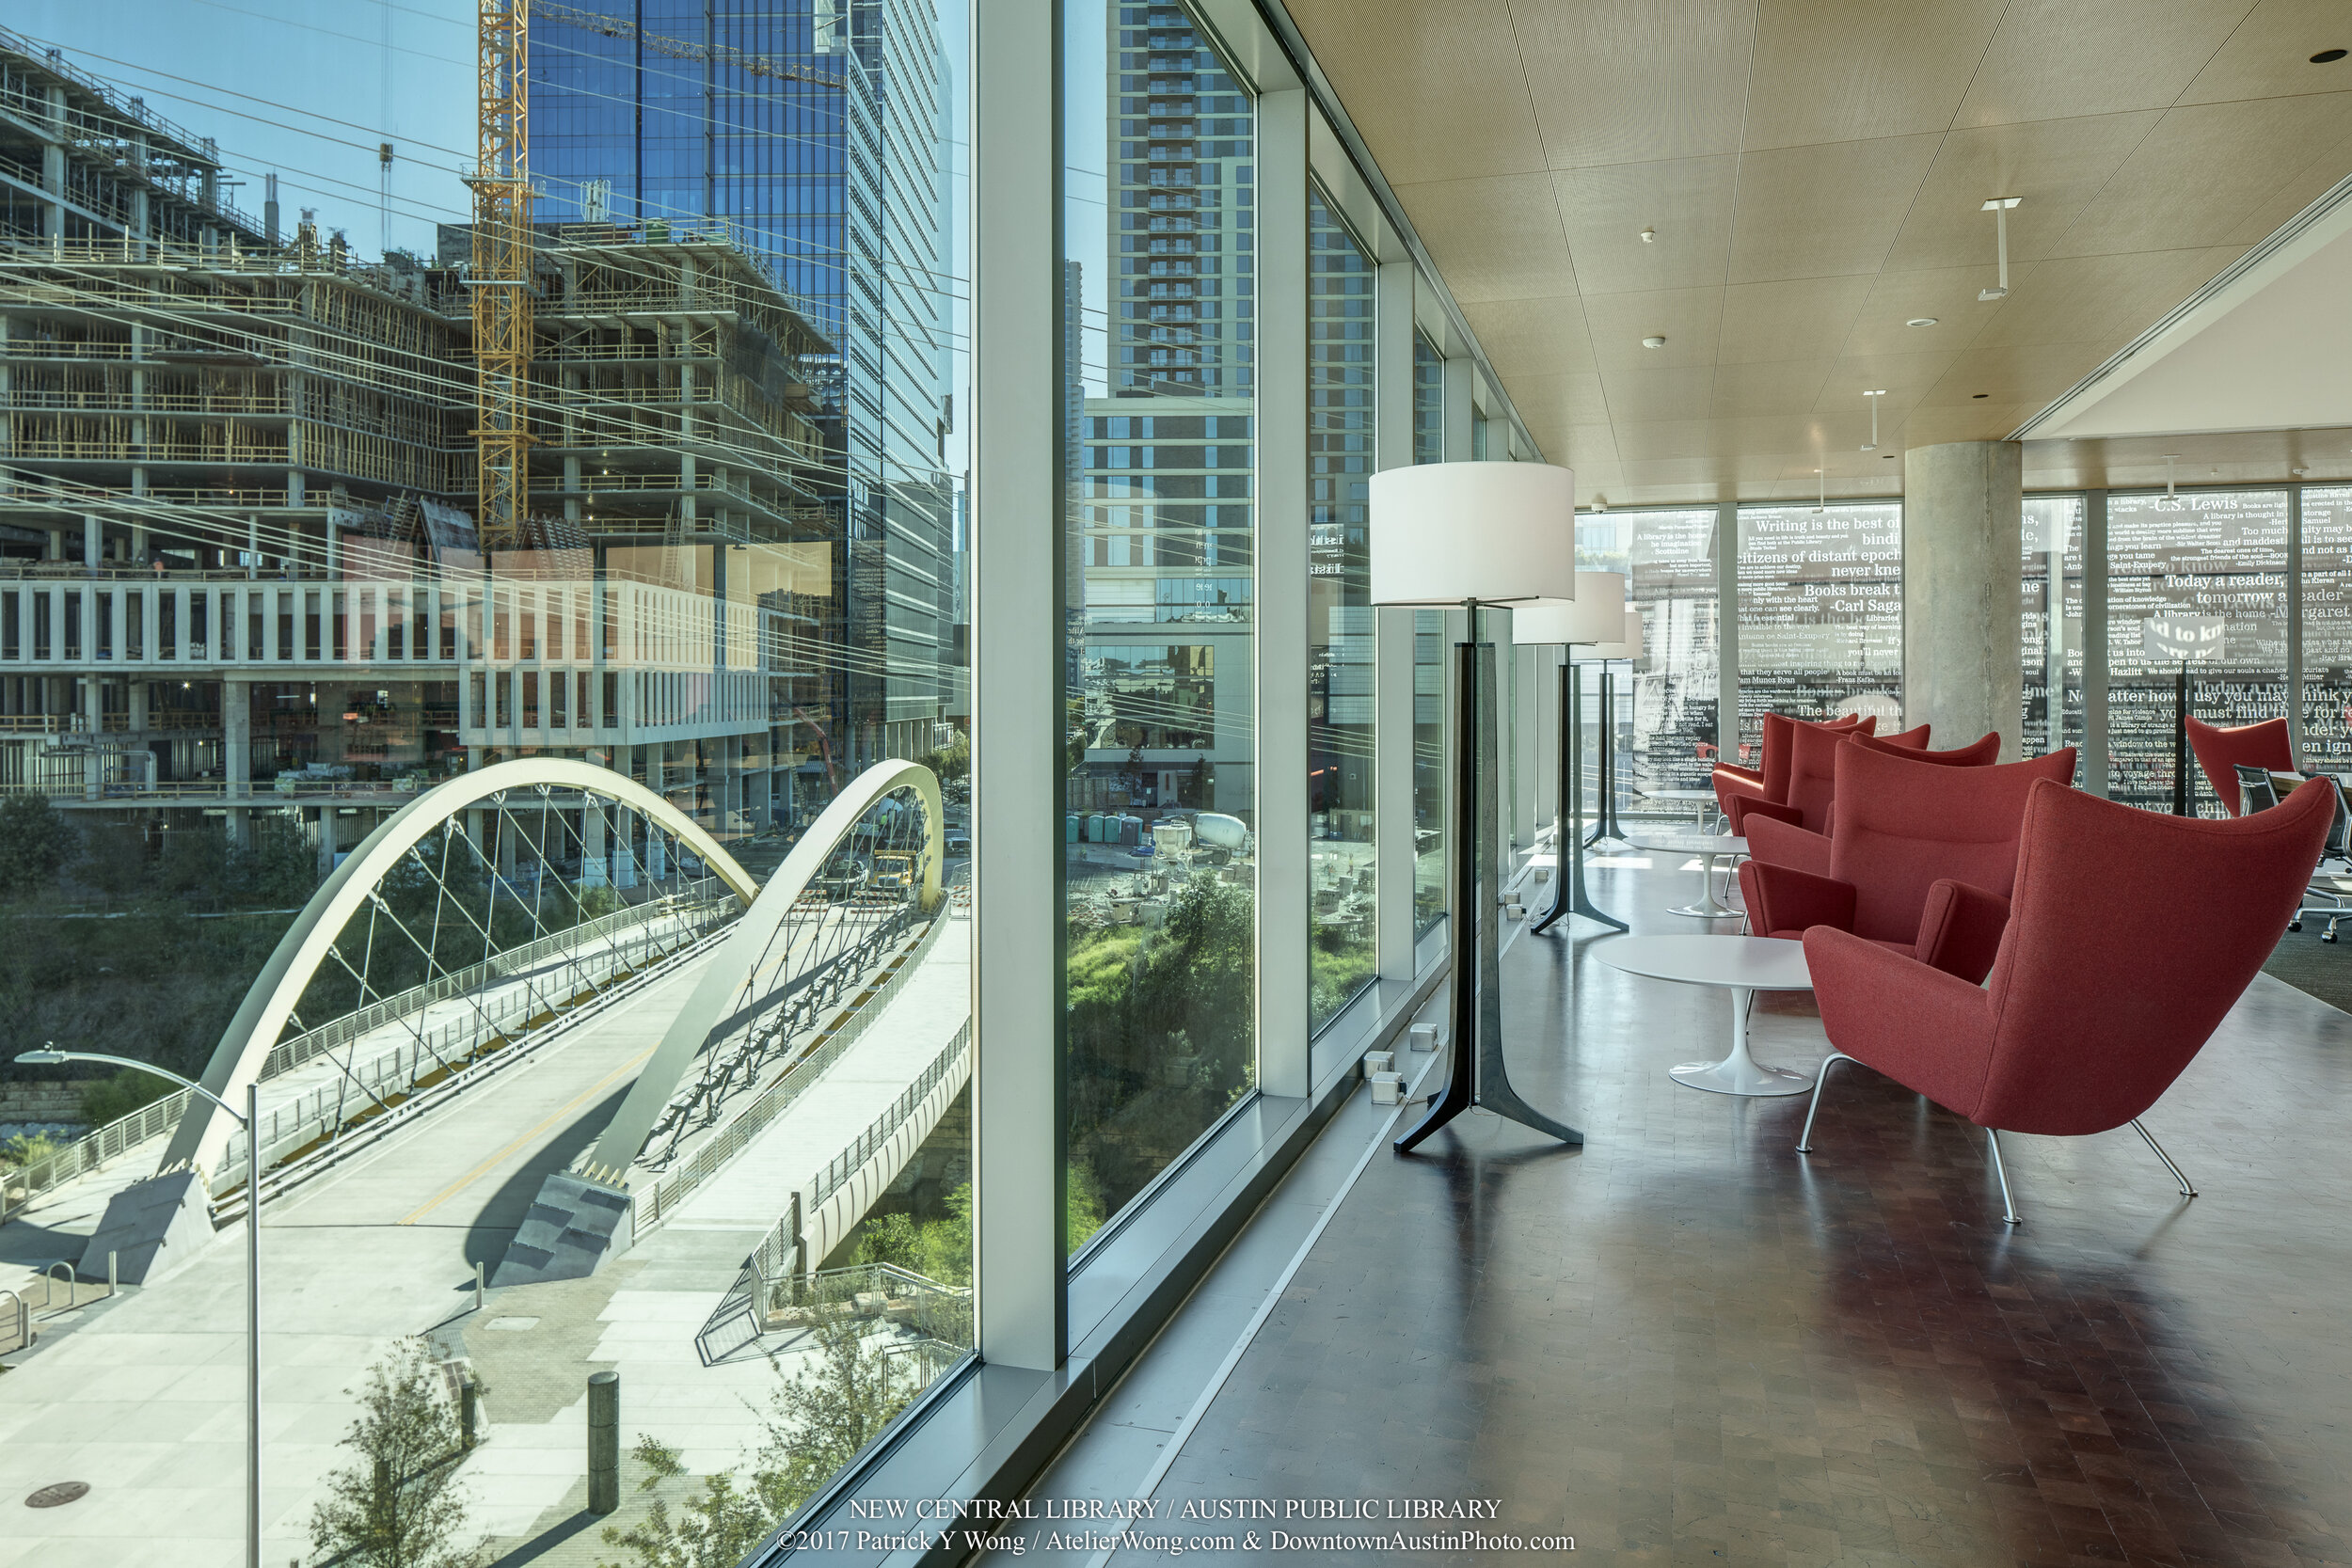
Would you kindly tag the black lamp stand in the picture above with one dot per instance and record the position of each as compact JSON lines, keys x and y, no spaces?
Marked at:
{"x":1478,"y":1076}
{"x":1605,"y":825}
{"x":1568,"y":892}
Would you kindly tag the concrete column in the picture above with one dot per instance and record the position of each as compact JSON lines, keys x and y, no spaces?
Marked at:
{"x":1964,"y":507}
{"x":326,"y":839}
{"x":2093,"y":770}
{"x":93,"y":540}
{"x":236,"y":735}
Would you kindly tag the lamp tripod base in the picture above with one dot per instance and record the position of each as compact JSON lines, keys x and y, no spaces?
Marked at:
{"x":1569,"y":893}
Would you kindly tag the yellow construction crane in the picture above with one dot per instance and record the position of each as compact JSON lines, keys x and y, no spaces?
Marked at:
{"x":499,"y":277}
{"x":754,"y":65}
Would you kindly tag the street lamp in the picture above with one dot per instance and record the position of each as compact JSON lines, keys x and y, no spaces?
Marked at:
{"x":250,"y":1121}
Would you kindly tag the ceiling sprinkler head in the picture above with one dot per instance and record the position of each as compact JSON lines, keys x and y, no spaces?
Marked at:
{"x":1649,"y":236}
{"x":1653,"y":341}
{"x":1989,"y":294}
{"x":1920,"y":320}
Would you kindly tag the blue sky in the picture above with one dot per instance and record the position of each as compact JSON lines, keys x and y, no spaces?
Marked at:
{"x":305,"y":89}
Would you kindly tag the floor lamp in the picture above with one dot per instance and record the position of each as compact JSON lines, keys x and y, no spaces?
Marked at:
{"x":1472,"y":534}
{"x":1623,"y":643}
{"x":1598,"y":616}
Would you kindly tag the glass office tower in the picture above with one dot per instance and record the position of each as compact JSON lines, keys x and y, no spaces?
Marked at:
{"x":817,"y":131}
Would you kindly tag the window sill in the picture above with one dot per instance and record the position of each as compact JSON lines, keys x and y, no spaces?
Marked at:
{"x":985,"y":1435}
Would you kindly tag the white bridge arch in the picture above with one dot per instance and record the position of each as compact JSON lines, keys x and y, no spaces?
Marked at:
{"x":203,"y":1133}
{"x":747,"y":944}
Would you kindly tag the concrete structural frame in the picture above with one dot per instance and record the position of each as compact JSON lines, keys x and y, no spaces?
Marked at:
{"x":203,"y":1133}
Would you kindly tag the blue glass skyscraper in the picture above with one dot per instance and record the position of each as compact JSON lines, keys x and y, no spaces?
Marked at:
{"x":817,"y":129}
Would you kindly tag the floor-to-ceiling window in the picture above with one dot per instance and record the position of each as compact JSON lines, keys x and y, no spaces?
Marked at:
{"x":1162,"y":802}
{"x":2050,"y":652}
{"x":1821,"y":613}
{"x":2327,"y":624}
{"x":1428,"y":667}
{"x":1341,"y":953}
{"x":2204,"y":554}
{"x":1665,"y":701}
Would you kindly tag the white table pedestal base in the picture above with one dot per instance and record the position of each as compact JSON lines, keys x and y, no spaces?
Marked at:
{"x":1707,"y":908}
{"x":1739,"y":1073}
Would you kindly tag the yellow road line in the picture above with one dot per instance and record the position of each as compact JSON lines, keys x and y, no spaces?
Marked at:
{"x":554,"y":1117}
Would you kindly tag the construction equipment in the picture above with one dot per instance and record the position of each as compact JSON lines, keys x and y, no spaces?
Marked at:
{"x":679,"y":49}
{"x":500,"y":278}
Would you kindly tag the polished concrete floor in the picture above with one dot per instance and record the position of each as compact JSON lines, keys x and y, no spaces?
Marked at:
{"x":1684,"y":1343}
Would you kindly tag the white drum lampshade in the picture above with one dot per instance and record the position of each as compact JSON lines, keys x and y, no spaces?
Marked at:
{"x":1627,"y":642}
{"x":1597,"y":615}
{"x":1499,"y":532}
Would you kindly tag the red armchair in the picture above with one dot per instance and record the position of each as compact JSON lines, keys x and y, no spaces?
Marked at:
{"x":1922,"y":863}
{"x":1976,"y":753}
{"x":2220,"y":751}
{"x":1913,"y":739}
{"x":1770,"y":781}
{"x":2087,"y":1020}
{"x":1805,"y":800}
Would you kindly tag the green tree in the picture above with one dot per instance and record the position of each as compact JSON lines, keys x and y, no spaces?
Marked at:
{"x":716,"y":1527}
{"x":278,"y":868}
{"x":119,"y":1094}
{"x":35,"y":843}
{"x":114,"y":861}
{"x":194,"y":864}
{"x":399,"y":1506}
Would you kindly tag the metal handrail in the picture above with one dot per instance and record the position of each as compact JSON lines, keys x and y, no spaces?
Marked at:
{"x":20,"y":1320}
{"x":663,"y":1197}
{"x":21,"y":1185}
{"x":851,"y":1160}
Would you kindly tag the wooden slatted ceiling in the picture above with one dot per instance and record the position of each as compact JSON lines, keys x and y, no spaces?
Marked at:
{"x":1813,"y":170}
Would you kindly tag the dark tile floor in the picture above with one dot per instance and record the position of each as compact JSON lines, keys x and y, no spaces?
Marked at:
{"x":1684,"y":1343}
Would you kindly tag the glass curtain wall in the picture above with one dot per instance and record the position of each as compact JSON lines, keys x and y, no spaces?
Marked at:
{"x":1428,"y":668}
{"x":1665,"y":700}
{"x":1821,"y":613}
{"x":2326,"y":605}
{"x":2050,"y":655}
{"x":1341,"y":954}
{"x":2210,"y":553}
{"x":1159,"y":830}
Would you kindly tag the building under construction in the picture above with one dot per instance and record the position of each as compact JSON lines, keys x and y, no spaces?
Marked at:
{"x":238,"y":561}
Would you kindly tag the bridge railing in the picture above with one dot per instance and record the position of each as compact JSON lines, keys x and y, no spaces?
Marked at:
{"x":22,"y":1184}
{"x":297,"y":1049}
{"x":851,"y":1160}
{"x":662,"y":1199}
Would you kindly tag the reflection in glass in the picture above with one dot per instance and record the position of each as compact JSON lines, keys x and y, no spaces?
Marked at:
{"x":2204,"y":553}
{"x":1665,"y":700}
{"x":1820,"y":614}
{"x":1159,"y":834}
{"x":1341,"y":957}
{"x":2328,"y":628}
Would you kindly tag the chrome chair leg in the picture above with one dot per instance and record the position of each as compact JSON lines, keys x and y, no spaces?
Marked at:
{"x":2008,"y":1204}
{"x":2187,"y":1191}
{"x":1821,"y":1080}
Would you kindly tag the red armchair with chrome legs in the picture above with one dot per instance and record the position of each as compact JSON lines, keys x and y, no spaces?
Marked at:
{"x":2087,"y":1020}
{"x":1981,"y":753}
{"x":2220,"y":751}
{"x":1922,"y":861}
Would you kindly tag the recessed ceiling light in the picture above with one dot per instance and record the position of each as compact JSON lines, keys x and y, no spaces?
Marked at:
{"x":1653,"y":342}
{"x":1920,"y":320}
{"x":2328,"y":56}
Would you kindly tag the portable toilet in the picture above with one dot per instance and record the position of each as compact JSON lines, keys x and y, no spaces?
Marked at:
{"x":1131,"y":831}
{"x":1071,"y":824}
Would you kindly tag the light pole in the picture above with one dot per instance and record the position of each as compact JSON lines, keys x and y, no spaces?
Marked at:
{"x":250,"y":1121}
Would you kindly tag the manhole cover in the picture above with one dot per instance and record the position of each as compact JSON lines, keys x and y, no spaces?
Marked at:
{"x":63,"y":1491}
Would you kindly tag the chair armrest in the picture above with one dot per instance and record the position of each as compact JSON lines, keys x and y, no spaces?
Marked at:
{"x":1744,"y":808}
{"x":1960,"y":930}
{"x":1736,"y":783}
{"x":1928,"y":1031}
{"x":1782,"y":843}
{"x":1781,"y":898}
